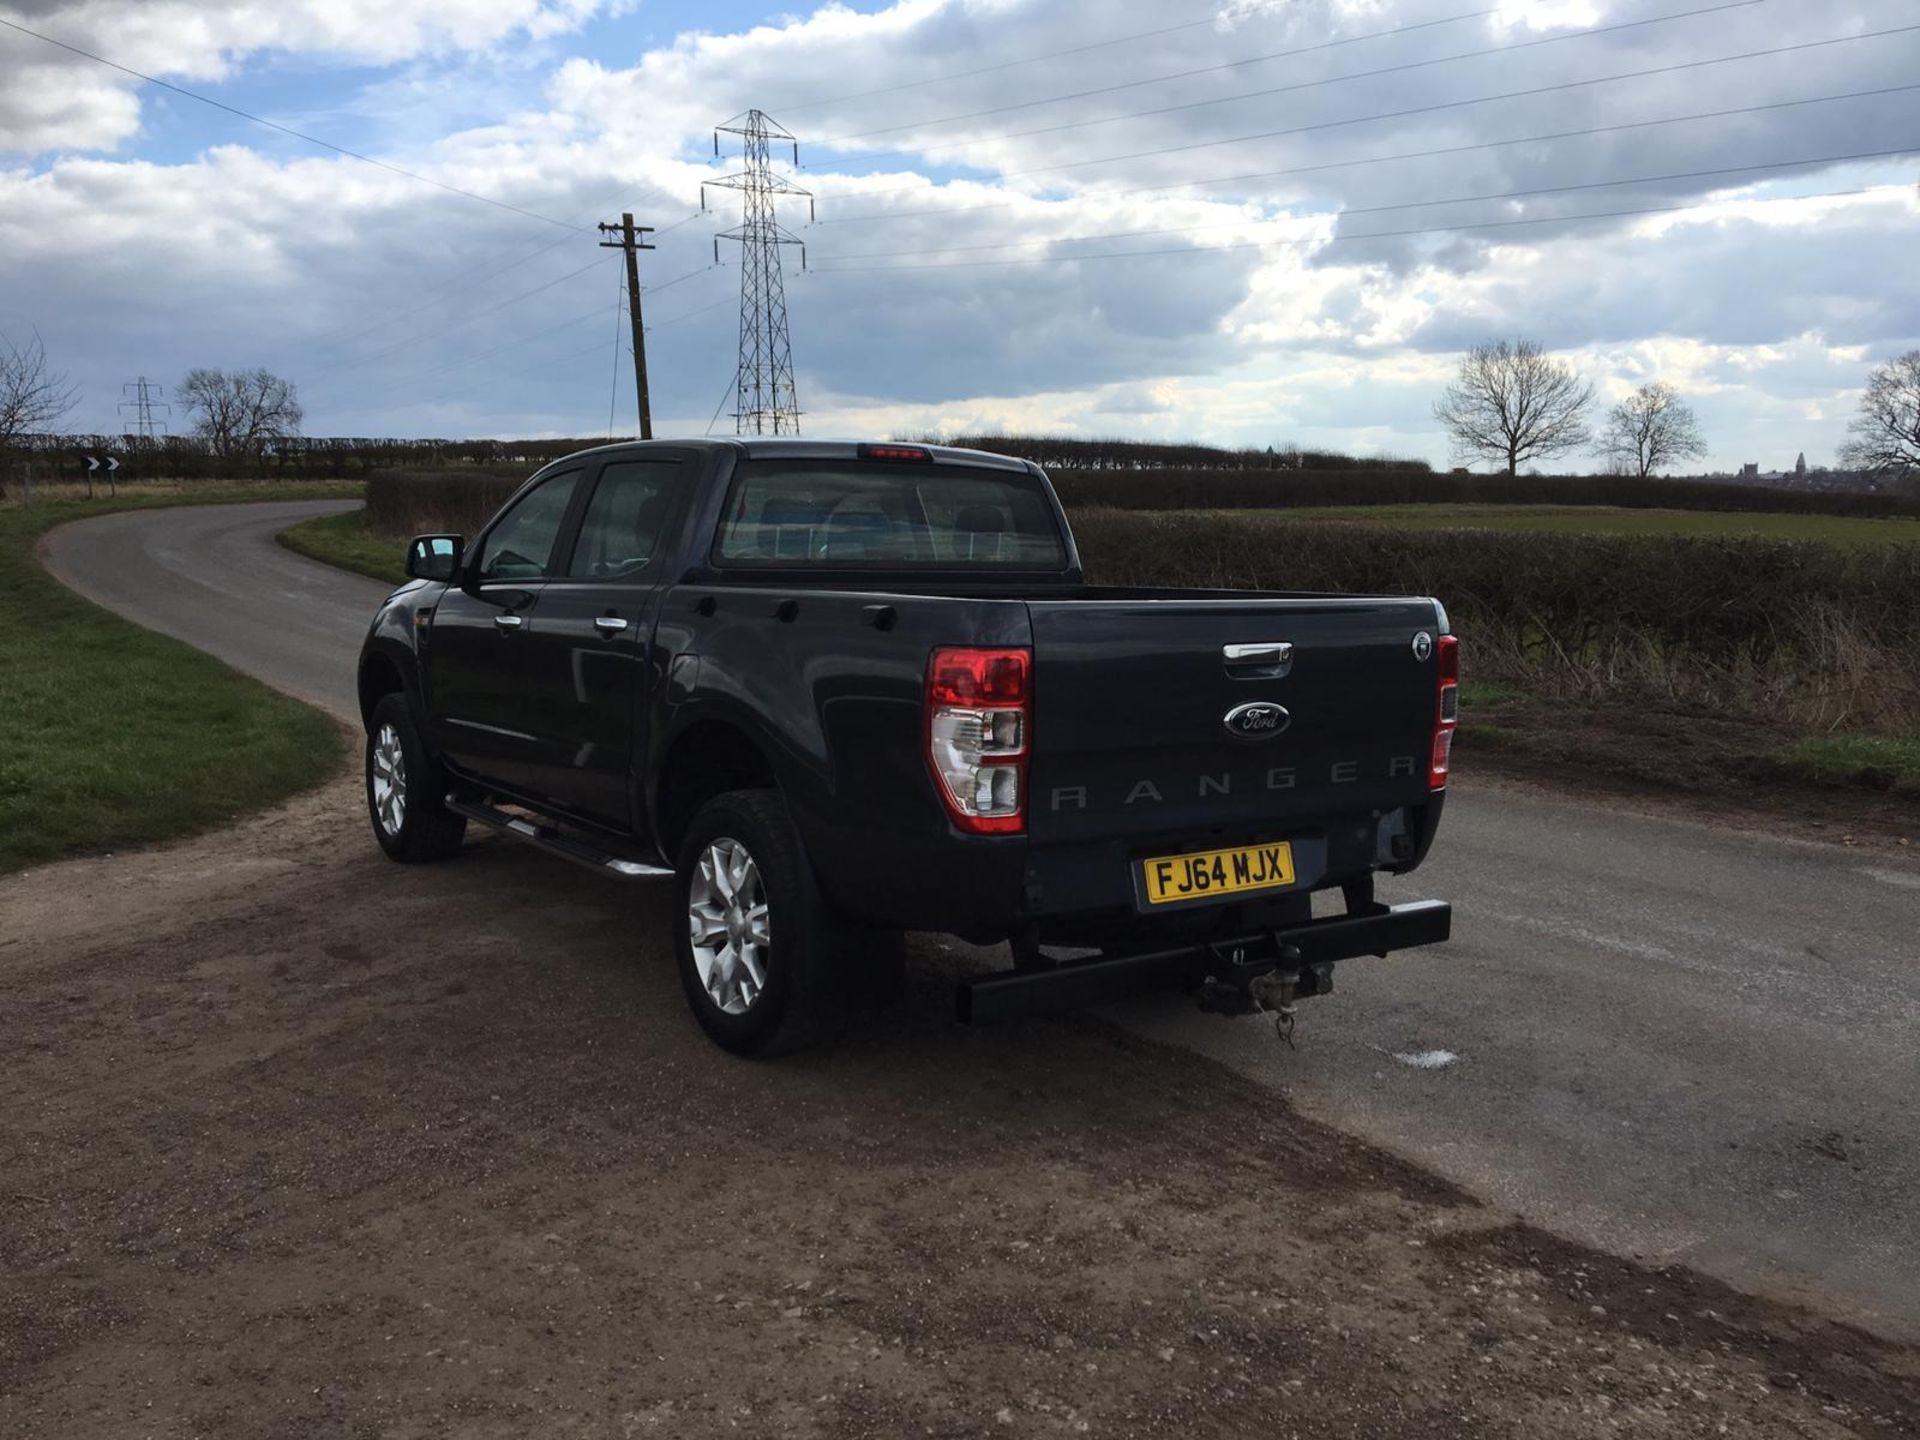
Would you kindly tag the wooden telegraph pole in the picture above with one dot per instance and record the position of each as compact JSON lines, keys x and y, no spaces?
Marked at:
{"x":629,"y":240}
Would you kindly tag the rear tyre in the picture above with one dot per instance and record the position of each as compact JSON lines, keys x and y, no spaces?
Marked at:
{"x":406,"y":789}
{"x":753,"y":937}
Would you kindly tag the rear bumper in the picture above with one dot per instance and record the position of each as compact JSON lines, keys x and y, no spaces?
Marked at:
{"x":1312,"y":943}
{"x":987,"y":887}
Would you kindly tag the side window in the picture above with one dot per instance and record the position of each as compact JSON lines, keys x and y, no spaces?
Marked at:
{"x":519,"y":546}
{"x":624,"y":520}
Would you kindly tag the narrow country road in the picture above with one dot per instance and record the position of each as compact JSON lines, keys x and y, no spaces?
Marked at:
{"x":213,"y":577}
{"x":1678,"y":1042}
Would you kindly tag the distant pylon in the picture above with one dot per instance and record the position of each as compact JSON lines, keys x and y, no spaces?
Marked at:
{"x":146,"y":397}
{"x":764,"y":399}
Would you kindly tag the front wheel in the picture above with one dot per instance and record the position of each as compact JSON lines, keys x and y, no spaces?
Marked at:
{"x":753,"y":937}
{"x":406,"y":790}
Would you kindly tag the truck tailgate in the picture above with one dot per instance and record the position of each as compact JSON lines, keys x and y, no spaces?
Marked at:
{"x":1131,"y":699}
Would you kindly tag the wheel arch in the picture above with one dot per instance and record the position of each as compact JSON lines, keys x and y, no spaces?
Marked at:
{"x":383,"y":672}
{"x":708,"y":758}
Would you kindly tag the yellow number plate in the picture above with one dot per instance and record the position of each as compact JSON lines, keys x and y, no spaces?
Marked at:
{"x":1170,"y":879}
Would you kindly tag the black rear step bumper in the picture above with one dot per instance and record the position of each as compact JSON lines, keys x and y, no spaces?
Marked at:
{"x":1076,"y":984}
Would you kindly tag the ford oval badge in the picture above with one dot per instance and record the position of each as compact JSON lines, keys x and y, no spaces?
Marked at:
{"x":1257,"y":720}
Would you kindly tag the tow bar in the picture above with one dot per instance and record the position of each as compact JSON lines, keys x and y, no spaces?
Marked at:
{"x":1261,"y":973}
{"x":1268,"y":986}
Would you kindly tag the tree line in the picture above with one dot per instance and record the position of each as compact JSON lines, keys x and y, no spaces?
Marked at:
{"x":236,"y":414}
{"x":1512,"y":404}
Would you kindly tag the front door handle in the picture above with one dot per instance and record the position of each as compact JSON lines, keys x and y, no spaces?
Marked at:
{"x":508,"y":622}
{"x":609,"y":624}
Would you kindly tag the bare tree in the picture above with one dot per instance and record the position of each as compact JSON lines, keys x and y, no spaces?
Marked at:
{"x":242,"y":412}
{"x":1886,"y":432}
{"x":33,"y":398}
{"x":1650,"y":429}
{"x":1514,"y":403}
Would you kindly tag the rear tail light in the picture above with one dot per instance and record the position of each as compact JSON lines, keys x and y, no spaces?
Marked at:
{"x":1446,"y":707}
{"x":979,"y":731}
{"x":916,"y":453}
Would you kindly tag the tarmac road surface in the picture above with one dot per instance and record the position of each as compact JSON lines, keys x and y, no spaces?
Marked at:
{"x":1677,"y":1041}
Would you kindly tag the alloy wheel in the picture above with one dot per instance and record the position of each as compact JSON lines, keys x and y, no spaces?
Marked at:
{"x":389,"y":780}
{"x":727,"y":918}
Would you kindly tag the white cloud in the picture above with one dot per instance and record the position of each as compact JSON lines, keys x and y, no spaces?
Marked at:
{"x":62,"y":101}
{"x":385,"y":298}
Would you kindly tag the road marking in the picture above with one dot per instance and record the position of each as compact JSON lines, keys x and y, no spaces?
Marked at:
{"x":1426,"y":1059}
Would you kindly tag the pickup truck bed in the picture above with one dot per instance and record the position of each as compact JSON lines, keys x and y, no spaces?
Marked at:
{"x":891,"y":652}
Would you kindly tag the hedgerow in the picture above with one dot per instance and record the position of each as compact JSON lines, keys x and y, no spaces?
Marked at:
{"x":1822,"y":634}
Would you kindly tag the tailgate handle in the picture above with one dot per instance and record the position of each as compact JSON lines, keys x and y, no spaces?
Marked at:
{"x":1258,"y":662}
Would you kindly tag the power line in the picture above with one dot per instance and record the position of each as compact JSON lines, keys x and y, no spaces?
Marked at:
{"x":1344,"y":239}
{"x":1321,"y":83}
{"x":554,"y":329}
{"x":613,"y":389}
{"x":451,"y":285}
{"x":1529,"y":93}
{"x":1398,"y":205}
{"x":437,"y":292}
{"x":466,"y":319}
{"x":724,"y":395}
{"x":478,"y":356}
{"x":942,"y":79}
{"x":540,"y":334}
{"x":684,"y":220}
{"x":284,"y":129}
{"x":669,"y":284}
{"x":1178,"y":75}
{"x":1378,"y":159}
{"x":688,"y":314}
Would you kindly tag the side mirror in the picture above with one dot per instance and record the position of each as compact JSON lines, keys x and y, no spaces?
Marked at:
{"x":433,"y":557}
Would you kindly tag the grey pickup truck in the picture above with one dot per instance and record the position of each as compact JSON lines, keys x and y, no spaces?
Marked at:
{"x":834,"y":692}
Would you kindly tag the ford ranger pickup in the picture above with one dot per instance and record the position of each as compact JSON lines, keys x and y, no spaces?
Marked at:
{"x":834,"y":692}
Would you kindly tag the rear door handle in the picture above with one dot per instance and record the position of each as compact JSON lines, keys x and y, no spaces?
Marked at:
{"x":609,"y":624}
{"x":1274,"y":657}
{"x":508,"y":622}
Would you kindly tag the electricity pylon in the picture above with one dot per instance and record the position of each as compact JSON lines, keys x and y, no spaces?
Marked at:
{"x":764,"y":399}
{"x":146,"y":400}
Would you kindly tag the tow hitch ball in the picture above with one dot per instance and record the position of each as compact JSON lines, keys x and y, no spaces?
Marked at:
{"x":1263,"y":987}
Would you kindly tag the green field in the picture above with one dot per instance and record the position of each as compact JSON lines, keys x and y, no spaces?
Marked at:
{"x":111,"y":735}
{"x":1607,"y":520}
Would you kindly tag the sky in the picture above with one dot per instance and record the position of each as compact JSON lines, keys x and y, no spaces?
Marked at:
{"x":1245,"y":222}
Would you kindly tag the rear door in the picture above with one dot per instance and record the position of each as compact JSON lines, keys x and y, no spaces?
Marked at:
{"x":1141,"y":726}
{"x":475,"y":655}
{"x":587,"y":650}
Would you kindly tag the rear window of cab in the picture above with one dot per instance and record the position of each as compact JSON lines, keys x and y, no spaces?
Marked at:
{"x":842,"y":514}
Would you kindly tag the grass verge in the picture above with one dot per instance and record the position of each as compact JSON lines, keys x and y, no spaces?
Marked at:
{"x":345,"y":541}
{"x":1875,"y":762}
{"x":113,"y":736}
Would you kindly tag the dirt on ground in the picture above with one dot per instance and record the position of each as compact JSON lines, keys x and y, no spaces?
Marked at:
{"x":1685,"y":760}
{"x":297,"y":1142}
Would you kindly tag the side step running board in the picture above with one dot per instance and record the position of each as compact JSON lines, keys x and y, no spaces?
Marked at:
{"x":554,"y":842}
